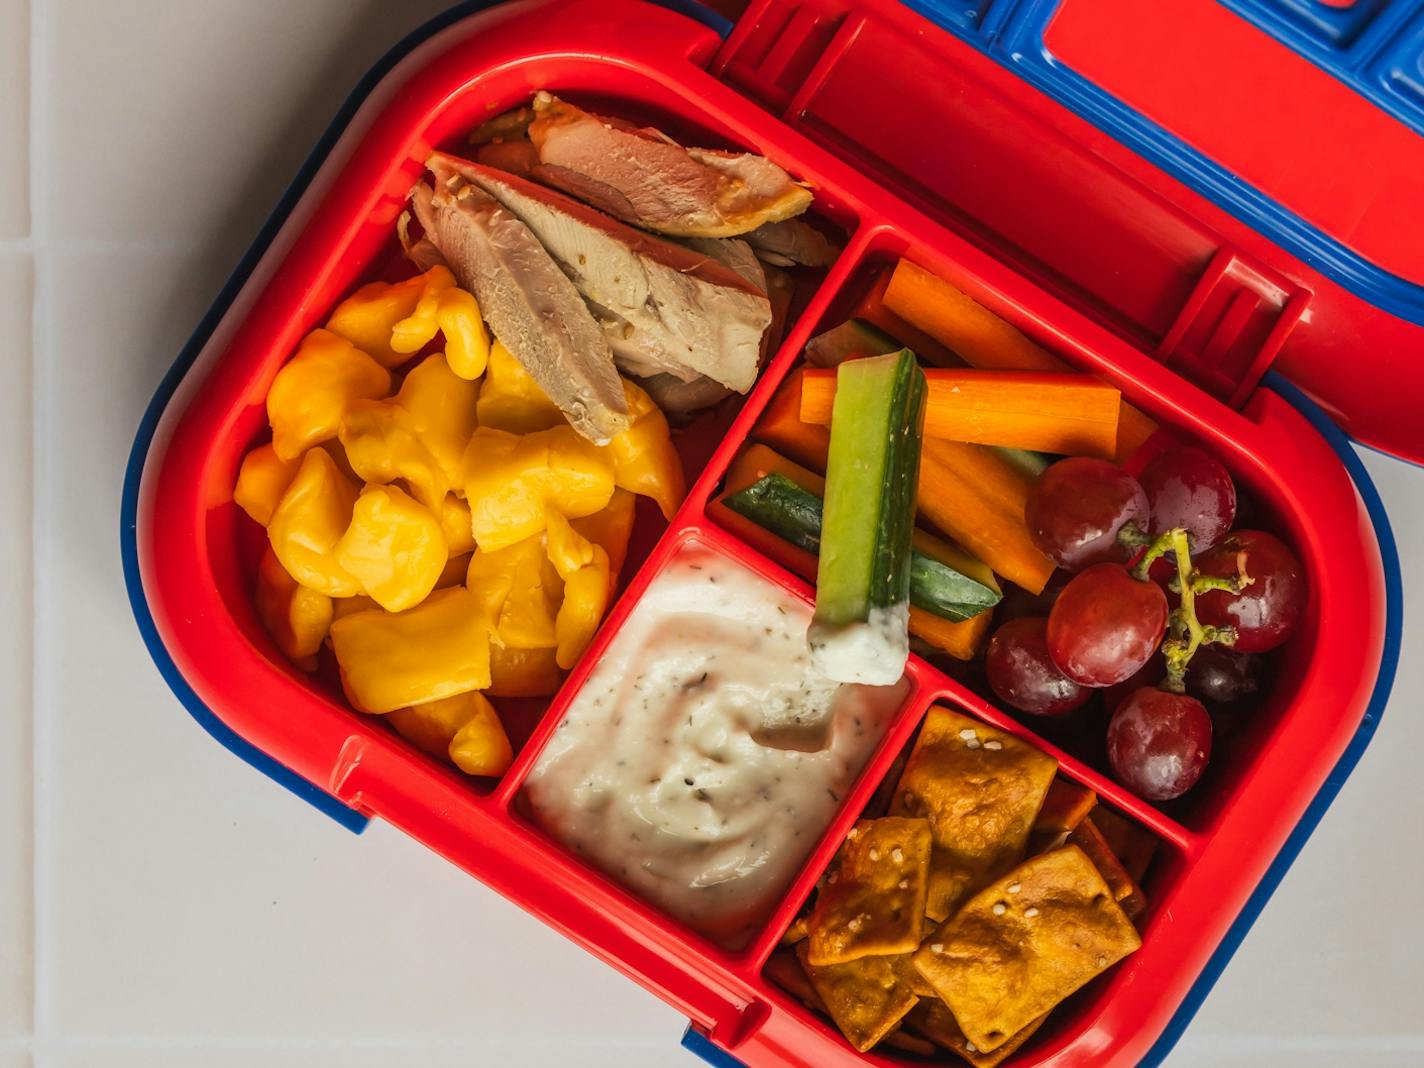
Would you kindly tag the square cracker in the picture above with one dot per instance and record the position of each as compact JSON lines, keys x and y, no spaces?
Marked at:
{"x":1087,"y":837}
{"x":981,"y":790}
{"x":783,"y":969}
{"x":1131,"y":844}
{"x":1024,"y":943}
{"x":1066,"y":805}
{"x":873,"y":901}
{"x":867,"y":998}
{"x":934,"y":1021}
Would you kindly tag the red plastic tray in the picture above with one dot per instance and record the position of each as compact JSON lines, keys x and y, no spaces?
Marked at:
{"x":195,"y":547}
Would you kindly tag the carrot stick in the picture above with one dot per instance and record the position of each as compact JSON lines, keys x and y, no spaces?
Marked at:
{"x":1040,"y":410}
{"x":781,"y":427}
{"x":984,"y":340}
{"x":959,"y":640}
{"x":978,"y":498}
{"x":873,"y":309}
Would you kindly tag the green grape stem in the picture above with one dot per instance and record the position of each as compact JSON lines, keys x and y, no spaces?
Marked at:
{"x":1133,"y":537}
{"x":1186,"y":633}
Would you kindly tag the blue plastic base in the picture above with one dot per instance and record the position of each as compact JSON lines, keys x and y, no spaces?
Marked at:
{"x":698,"y":1043}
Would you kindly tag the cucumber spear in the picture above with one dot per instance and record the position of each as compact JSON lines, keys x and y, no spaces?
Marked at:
{"x":860,"y":631}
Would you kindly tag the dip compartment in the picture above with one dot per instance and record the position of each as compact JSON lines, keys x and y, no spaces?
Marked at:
{"x":510,"y":794}
{"x":831,"y":115}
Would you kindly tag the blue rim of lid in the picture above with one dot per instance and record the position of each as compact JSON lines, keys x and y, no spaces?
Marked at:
{"x":693,"y":1038}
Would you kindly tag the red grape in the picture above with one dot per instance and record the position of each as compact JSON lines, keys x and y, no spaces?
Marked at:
{"x":1218,"y":676}
{"x":1265,"y":612}
{"x":1149,"y":674}
{"x":1024,"y":676}
{"x":1188,"y":488}
{"x":1077,"y":507}
{"x":1105,"y":625}
{"x":1159,"y":743}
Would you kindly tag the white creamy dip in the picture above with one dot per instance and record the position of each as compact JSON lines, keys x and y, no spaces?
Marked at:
{"x":704,"y":756}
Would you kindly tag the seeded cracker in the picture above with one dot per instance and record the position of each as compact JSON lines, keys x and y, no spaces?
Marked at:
{"x":981,"y":790}
{"x":933,"y":1020}
{"x":1131,"y":844}
{"x":1000,"y":971}
{"x":1125,"y":891}
{"x":874,"y":901}
{"x":867,"y":998}
{"x":783,"y":969}
{"x":1066,"y":806}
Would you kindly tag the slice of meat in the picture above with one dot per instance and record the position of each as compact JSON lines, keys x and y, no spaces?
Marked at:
{"x":506,"y":126}
{"x":421,"y":251}
{"x":732,"y":253}
{"x":664,"y":309}
{"x":680,"y":398}
{"x":517,"y":157}
{"x":792,"y":242}
{"x":528,"y":301}
{"x":647,"y":179}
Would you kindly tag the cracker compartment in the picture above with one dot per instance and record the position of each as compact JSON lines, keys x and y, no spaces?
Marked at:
{"x":1024,"y":894}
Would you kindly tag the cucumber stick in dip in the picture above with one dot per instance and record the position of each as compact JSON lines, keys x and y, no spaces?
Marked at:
{"x":793,"y":513}
{"x":860,"y":631}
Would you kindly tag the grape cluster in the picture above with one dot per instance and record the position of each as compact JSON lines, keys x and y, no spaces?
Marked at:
{"x":1164,"y":607}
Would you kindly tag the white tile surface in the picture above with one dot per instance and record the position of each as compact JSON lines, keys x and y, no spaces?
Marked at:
{"x":16,"y":747}
{"x":190,"y":912}
{"x":199,"y":112}
{"x":391,"y":1055}
{"x":14,"y":118}
{"x":1298,"y":1052}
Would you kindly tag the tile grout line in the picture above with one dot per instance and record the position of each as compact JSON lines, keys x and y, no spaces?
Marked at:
{"x":40,"y":155}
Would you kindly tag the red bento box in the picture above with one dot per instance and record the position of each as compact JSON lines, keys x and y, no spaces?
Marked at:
{"x":816,"y":87}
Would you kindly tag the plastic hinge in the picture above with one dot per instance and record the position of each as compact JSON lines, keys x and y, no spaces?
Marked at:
{"x":777,"y":49}
{"x":1232,"y":326}
{"x":1018,"y":44}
